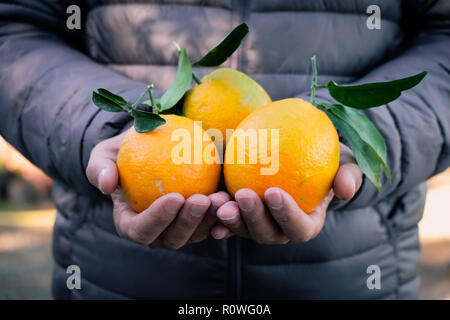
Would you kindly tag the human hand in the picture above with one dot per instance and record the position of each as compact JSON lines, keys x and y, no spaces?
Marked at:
{"x":281,"y":220}
{"x":170,"y":222}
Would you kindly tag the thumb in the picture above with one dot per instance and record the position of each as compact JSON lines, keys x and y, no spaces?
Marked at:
{"x":102,"y":173}
{"x":347,"y":181}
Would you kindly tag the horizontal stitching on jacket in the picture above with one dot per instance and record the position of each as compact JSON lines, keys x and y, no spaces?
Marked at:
{"x":159,"y":5}
{"x":323,"y":262}
{"x":350,"y":77}
{"x":231,"y":9}
{"x":323,"y":11}
{"x":157,"y":251}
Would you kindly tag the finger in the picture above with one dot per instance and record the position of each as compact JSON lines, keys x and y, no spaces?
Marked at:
{"x":210,"y":219}
{"x":145,"y":227}
{"x":101,"y":170}
{"x":181,"y":229}
{"x":102,"y":173}
{"x":319,"y":213}
{"x":122,"y":213}
{"x":295,"y":224}
{"x":218,"y":199}
{"x":220,"y":232}
{"x":347,"y":181}
{"x":230,"y":217}
{"x":348,"y":178}
{"x":259,"y":222}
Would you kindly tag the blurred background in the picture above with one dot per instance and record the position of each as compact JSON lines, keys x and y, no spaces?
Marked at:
{"x":27,"y":215}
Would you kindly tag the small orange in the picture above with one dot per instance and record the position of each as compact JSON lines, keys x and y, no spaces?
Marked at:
{"x":308,"y":152}
{"x":223,"y":99}
{"x":150,"y":164}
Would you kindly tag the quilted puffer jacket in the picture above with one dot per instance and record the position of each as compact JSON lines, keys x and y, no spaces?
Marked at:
{"x":47,"y":74}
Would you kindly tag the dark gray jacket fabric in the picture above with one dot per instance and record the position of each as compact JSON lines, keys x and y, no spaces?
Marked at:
{"x":47,"y":74}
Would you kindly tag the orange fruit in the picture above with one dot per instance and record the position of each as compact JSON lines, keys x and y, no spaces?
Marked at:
{"x":223,"y":99}
{"x":151,"y":164}
{"x":307,"y":148}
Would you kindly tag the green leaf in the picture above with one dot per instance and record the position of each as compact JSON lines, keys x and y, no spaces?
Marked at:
{"x":113,"y":97}
{"x":222,"y":51}
{"x":181,"y":84}
{"x":105,"y":104}
{"x":146,"y":121}
{"x":371,"y":95}
{"x":369,"y":161}
{"x":177,"y":109}
{"x":366,"y":130}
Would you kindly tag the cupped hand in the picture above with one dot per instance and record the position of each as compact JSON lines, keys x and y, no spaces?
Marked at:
{"x":170,"y":222}
{"x":280,"y":219}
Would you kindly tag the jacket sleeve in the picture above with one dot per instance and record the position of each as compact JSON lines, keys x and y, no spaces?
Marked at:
{"x":416,"y":126}
{"x":45,"y":91}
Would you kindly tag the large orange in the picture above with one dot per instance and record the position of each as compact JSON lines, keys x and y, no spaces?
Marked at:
{"x":150,"y":164}
{"x":308,"y":152}
{"x":223,"y":99}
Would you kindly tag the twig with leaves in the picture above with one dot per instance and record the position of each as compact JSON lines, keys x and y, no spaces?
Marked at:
{"x":366,"y":142}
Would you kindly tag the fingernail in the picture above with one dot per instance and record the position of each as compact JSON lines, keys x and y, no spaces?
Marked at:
{"x":274,"y":200}
{"x":227,"y":216}
{"x":197,"y":210}
{"x":247,"y":204}
{"x":218,"y":234}
{"x":172,"y":207}
{"x":101,"y":176}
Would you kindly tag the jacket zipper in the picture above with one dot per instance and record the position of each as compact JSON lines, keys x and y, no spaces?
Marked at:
{"x":234,"y":244}
{"x":239,"y":12}
{"x":234,"y":247}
